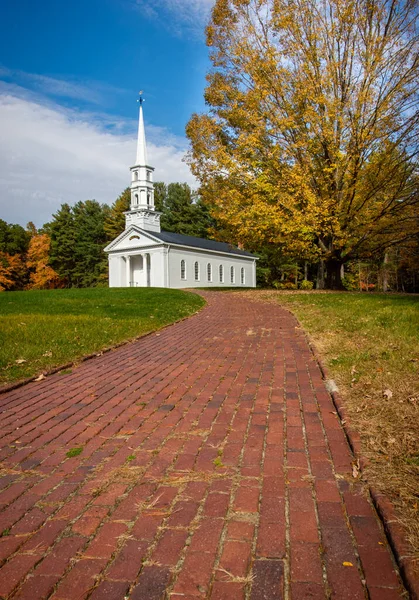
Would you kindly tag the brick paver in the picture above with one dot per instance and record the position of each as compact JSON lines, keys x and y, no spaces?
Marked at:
{"x":213,"y":465}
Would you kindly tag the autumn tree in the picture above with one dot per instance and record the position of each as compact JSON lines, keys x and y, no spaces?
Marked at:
{"x":12,"y":271}
{"x":14,"y":241}
{"x":42,"y":275}
{"x":311,"y":138}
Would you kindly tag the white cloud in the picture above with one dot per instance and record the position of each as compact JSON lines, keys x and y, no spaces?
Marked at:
{"x":62,"y":88}
{"x":93,"y":92}
{"x":50,"y":155}
{"x":190,"y":16}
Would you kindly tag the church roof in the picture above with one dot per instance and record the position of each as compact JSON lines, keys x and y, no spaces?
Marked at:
{"x":178,"y":239}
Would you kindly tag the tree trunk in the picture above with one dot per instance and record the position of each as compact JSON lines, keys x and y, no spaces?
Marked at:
{"x":320,"y":276}
{"x":385,"y":272}
{"x":333,"y":274}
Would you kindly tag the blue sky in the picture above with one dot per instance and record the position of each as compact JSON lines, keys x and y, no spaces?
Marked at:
{"x":70,"y":73}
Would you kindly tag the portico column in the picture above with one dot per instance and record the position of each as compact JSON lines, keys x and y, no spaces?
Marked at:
{"x":128,"y":269}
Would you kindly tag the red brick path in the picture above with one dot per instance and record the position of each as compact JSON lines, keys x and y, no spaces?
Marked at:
{"x":213,"y":465}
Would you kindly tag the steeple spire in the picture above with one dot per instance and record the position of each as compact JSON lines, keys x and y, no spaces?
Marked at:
{"x":141,"y":143}
{"x":142,"y":211}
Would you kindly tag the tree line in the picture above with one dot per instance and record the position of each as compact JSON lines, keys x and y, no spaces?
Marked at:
{"x":68,"y":250}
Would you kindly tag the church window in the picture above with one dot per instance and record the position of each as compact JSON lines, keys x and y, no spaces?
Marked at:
{"x":242,"y":279}
{"x":135,"y":175}
{"x":182,"y":269}
{"x":197,"y":271}
{"x":148,"y":175}
{"x":221,"y":271}
{"x":232,"y":275}
{"x":136,"y":198}
{"x":209,"y":272}
{"x":148,"y":198}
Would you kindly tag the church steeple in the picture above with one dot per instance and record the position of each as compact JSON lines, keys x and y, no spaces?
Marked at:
{"x":141,"y":143}
{"x":142,"y":211}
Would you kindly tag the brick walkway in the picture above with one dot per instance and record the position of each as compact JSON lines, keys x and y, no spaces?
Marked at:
{"x":213,"y":466}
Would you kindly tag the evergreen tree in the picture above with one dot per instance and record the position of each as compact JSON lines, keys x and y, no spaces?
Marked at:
{"x":62,"y":233}
{"x":160,"y":195}
{"x":115,"y":220}
{"x":183,"y":211}
{"x":91,"y":263}
{"x":13,"y":239}
{"x":77,"y":240}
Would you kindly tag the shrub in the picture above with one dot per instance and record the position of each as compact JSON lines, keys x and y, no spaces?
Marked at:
{"x":306,"y":285}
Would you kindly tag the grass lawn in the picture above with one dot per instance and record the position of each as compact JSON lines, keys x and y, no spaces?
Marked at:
{"x":43,"y":329}
{"x":370,"y":344}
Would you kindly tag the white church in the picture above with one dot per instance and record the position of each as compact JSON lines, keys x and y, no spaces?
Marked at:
{"x":144,"y":256}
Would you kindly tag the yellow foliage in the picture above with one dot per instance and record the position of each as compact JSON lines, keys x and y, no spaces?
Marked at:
{"x":311,"y":137}
{"x":42,"y":276}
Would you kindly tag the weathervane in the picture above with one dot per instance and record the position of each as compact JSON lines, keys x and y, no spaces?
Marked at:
{"x":141,"y":100}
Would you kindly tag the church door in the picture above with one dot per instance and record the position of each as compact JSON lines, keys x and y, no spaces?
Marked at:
{"x":136,"y":271}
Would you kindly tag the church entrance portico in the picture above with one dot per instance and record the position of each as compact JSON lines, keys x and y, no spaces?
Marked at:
{"x":136,"y":271}
{"x":138,"y":268}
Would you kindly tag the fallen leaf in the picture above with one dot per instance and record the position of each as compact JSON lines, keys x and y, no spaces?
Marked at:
{"x":347,"y":564}
{"x":355,"y":469}
{"x":47,"y":353}
{"x":20,"y":361}
{"x":388,"y":394}
{"x":40,"y":378}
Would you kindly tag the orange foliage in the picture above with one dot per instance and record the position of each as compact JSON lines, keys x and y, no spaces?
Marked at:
{"x":11,"y":269}
{"x":42,"y":275}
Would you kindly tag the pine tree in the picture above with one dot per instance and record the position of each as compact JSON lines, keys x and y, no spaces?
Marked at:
{"x":160,"y":195}
{"x":13,"y":238}
{"x":115,"y":220}
{"x":184,"y":212}
{"x":62,"y":232}
{"x":91,"y":262}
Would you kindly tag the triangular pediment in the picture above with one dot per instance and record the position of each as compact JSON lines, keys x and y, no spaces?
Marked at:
{"x":132,"y":238}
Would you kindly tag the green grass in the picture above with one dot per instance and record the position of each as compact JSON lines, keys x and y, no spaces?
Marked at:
{"x":40,"y":330}
{"x":364,"y":331}
{"x":74,"y":452}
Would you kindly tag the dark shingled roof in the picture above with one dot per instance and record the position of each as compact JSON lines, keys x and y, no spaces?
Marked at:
{"x":179,"y":239}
